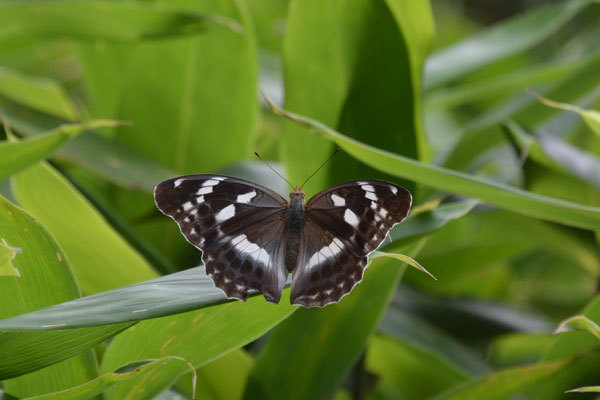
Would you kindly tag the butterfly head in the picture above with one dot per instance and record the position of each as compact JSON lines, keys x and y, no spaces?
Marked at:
{"x":297,"y":194}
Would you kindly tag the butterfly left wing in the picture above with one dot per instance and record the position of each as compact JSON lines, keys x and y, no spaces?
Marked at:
{"x":238,"y":225}
{"x":343,"y":225}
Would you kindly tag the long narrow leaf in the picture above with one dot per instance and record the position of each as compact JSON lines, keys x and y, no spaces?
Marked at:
{"x":504,"y":196}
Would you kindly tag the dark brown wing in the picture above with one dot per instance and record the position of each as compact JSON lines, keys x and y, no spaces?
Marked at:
{"x":344,"y":224}
{"x":238,"y":225}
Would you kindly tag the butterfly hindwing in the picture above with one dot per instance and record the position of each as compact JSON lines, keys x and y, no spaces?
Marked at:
{"x":238,"y":225}
{"x":343,"y":225}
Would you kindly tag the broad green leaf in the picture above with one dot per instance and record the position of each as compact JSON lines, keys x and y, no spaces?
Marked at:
{"x":332,"y":339}
{"x":45,"y":279}
{"x":7,"y":255}
{"x":578,"y":323}
{"x":198,"y":336}
{"x":504,"y":196}
{"x":409,"y":371}
{"x":500,"y":41}
{"x":330,"y":77}
{"x":222,"y":379}
{"x":105,"y":381}
{"x":41,"y":94}
{"x":198,"y":111}
{"x":505,"y":383}
{"x":181,"y":124}
{"x":101,"y":20}
{"x":14,"y":156}
{"x":100,"y":258}
{"x":591,"y":117}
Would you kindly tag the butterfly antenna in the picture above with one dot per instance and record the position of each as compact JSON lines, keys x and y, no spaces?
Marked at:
{"x":313,"y":174}
{"x":273,"y":169}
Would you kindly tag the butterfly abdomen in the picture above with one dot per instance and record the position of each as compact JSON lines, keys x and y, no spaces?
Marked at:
{"x":295,"y":221}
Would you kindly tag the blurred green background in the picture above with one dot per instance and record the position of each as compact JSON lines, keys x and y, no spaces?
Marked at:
{"x":483,"y":110}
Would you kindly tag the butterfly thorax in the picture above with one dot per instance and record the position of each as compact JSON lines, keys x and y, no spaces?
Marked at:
{"x":295,"y":221}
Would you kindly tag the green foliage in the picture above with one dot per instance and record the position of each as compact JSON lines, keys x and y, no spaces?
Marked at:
{"x":101,"y":297}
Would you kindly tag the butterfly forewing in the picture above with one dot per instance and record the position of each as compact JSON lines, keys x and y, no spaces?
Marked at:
{"x":343,"y":225}
{"x":238,"y":225}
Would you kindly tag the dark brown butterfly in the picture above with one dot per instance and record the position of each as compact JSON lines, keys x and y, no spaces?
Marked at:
{"x":252,"y":238}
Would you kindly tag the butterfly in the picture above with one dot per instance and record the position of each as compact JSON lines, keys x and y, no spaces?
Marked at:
{"x":252,"y":238}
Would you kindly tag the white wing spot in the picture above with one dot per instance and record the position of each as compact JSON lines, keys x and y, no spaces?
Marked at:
{"x":187,"y":206}
{"x":362,"y":183}
{"x":394,"y":189}
{"x":373,"y":206}
{"x":237,"y":239}
{"x":351,"y":218}
{"x":219,"y":178}
{"x":371,"y":196}
{"x":246,"y":197}
{"x":367,"y":188}
{"x":383,"y":212}
{"x":338,"y":201}
{"x":200,"y":199}
{"x":210,"y":182}
{"x":177,"y":182}
{"x":193,"y":232}
{"x":225,"y":213}
{"x":204,"y":190}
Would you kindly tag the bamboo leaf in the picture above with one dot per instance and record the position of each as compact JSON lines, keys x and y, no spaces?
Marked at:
{"x":501,"y":195}
{"x":591,"y":117}
{"x":578,"y":323}
{"x":404,"y":258}
{"x":500,"y":41}
{"x":101,"y":20}
{"x":96,"y":251}
{"x":121,"y":374}
{"x":14,"y":156}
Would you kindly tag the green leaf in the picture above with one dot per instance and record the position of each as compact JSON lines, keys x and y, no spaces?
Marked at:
{"x":7,"y":255}
{"x":591,"y":117}
{"x":332,"y":339}
{"x":105,"y":157}
{"x":170,"y":294}
{"x":41,"y":94}
{"x":406,"y":325}
{"x":500,"y":41}
{"x":504,"y":196}
{"x":330,"y":77}
{"x":505,"y":383}
{"x":24,"y":352}
{"x":222,"y":379}
{"x":578,"y":323}
{"x":45,"y":279}
{"x":404,"y":258}
{"x":105,"y":381}
{"x":493,"y":87}
{"x":408,"y":370}
{"x":585,"y":389}
{"x":556,"y":154}
{"x":198,"y":336}
{"x":101,"y":20}
{"x":14,"y":156}
{"x":100,"y":258}
{"x":431,"y":220}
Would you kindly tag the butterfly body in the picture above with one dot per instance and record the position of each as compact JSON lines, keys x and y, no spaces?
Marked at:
{"x":252,"y":238}
{"x":295,"y":221}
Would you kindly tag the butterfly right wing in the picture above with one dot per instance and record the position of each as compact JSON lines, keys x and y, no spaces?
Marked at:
{"x":238,"y":225}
